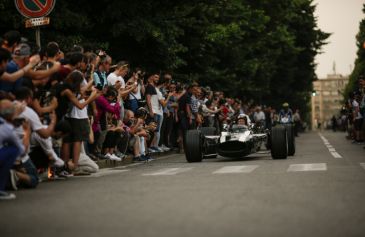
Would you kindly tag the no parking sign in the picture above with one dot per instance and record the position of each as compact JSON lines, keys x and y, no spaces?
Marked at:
{"x":35,"y":8}
{"x":35,"y":11}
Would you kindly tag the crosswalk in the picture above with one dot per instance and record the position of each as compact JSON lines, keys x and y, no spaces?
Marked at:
{"x":168,"y":171}
{"x":225,"y":170}
{"x":236,"y":169}
{"x":243,"y":169}
{"x":307,"y":167}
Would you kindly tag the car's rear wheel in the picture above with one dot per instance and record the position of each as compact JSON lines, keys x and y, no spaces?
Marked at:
{"x":291,"y":139}
{"x":193,"y":146}
{"x":279,"y":143}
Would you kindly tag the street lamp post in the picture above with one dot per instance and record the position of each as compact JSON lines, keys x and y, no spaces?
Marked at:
{"x":319,"y":119}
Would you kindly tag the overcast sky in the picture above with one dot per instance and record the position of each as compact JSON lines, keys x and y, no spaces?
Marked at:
{"x":341,"y":18}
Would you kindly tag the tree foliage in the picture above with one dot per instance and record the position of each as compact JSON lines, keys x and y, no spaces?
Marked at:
{"x":359,"y":68}
{"x":255,"y":49}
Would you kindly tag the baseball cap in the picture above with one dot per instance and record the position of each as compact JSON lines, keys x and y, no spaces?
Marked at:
{"x":22,"y":50}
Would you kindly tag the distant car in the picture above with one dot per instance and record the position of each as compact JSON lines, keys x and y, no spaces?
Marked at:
{"x":238,"y":141}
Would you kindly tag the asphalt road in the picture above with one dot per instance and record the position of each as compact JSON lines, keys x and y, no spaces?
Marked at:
{"x":256,"y":196}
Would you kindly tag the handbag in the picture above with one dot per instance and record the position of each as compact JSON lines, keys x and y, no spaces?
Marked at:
{"x":141,"y":103}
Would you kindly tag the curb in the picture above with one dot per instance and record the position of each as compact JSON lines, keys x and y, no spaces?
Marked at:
{"x":129,"y":160}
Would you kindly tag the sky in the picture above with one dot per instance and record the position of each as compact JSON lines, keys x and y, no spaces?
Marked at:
{"x":341,"y":18}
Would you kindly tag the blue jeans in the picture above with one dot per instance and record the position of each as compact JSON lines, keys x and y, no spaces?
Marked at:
{"x":32,"y":172}
{"x":157,"y":118}
{"x":8,"y":156}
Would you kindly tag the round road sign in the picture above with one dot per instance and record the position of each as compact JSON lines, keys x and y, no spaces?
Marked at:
{"x":35,"y":8}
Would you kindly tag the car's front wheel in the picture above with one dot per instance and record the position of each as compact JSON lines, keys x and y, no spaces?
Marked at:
{"x":193,"y":146}
{"x":279,"y":146}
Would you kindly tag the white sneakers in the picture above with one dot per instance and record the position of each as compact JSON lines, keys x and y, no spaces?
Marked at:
{"x":7,"y":196}
{"x":112,"y":157}
{"x":164,"y":148}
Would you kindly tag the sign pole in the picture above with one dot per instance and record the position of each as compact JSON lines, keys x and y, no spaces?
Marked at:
{"x":38,"y":36}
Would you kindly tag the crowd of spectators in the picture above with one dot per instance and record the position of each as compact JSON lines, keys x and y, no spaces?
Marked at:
{"x":351,"y":118}
{"x":67,"y":110}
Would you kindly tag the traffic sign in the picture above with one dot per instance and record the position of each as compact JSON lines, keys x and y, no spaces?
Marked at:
{"x":35,"y":8}
{"x":33,"y":22}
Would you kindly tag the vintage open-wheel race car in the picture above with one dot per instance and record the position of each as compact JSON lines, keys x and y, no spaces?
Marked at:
{"x":238,"y":141}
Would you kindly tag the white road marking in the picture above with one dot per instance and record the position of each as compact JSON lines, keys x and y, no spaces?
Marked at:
{"x":362,"y":165}
{"x":236,"y":169}
{"x":168,"y":171}
{"x":307,"y":167}
{"x":331,"y":149}
{"x":336,"y":155}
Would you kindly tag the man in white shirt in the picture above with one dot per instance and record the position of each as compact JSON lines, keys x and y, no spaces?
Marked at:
{"x":42,"y":136}
{"x":153,"y":97}
{"x":120,"y":71}
{"x":259,"y":116}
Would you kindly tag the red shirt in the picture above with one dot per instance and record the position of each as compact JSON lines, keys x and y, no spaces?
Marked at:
{"x":63,"y":73}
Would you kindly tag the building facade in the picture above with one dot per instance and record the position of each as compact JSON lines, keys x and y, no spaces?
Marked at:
{"x":327,"y":99}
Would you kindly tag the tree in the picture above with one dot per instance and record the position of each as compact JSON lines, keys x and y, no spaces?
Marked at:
{"x":255,"y":49}
{"x":359,"y":68}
